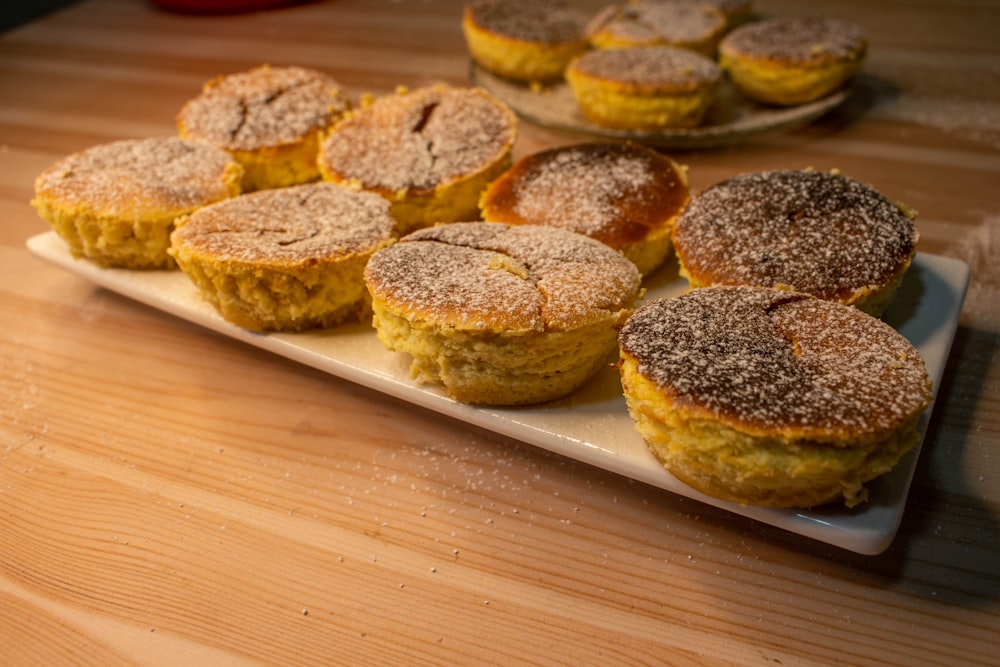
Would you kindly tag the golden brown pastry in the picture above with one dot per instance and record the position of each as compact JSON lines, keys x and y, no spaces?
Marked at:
{"x":499,"y":314}
{"x":429,"y":151}
{"x":624,"y":195}
{"x":792,"y":60}
{"x":524,"y":40}
{"x":644,"y":88}
{"x":269,"y":118}
{"x":685,"y":24}
{"x":771,"y":398}
{"x":816,"y":232}
{"x":285,"y":259}
{"x":115,"y":203}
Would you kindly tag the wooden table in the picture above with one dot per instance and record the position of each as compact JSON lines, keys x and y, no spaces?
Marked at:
{"x":168,"y":494}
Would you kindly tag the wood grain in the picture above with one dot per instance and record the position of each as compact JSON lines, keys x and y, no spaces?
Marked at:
{"x":170,"y":495}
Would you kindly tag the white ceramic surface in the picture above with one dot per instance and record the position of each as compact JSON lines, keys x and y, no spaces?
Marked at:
{"x":592,"y":425}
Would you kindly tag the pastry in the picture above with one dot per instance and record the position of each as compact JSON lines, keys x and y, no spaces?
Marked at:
{"x":686,"y":24}
{"x":115,"y":204}
{"x":285,"y":259}
{"x":269,"y":118}
{"x":524,"y":40}
{"x":792,"y":60}
{"x":624,"y":195}
{"x":816,"y":232}
{"x":500,"y":314}
{"x":771,"y":398}
{"x":644,"y":88}
{"x":429,"y":151}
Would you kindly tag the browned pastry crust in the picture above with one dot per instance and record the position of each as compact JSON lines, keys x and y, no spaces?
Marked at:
{"x":501,"y":314}
{"x":821,"y":233}
{"x":624,"y":195}
{"x":767,"y":397}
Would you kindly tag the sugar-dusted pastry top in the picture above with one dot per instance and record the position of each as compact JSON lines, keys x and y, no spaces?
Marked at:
{"x":420,"y":139}
{"x":816,"y":232}
{"x":140,"y":177}
{"x":796,"y":40}
{"x":766,"y":360}
{"x":265,"y":106}
{"x":648,"y":22}
{"x":529,"y":21}
{"x":288,"y":226}
{"x":652,"y":68}
{"x":616,"y":193}
{"x":483,"y":275}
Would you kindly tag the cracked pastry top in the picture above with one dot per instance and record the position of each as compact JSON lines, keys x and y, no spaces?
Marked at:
{"x":115,"y":203}
{"x":768,"y":397}
{"x":429,"y":151}
{"x":501,"y":314}
{"x":821,"y":233}
{"x":269,"y":118}
{"x":285,"y":259}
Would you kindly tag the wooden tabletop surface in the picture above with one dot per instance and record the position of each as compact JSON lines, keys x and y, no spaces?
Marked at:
{"x":168,"y":494}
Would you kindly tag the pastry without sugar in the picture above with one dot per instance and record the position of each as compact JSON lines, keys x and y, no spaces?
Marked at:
{"x":792,"y":60}
{"x":269,"y":118}
{"x":524,"y":40}
{"x":285,"y":259}
{"x":429,"y":151}
{"x":644,"y":88}
{"x":625,"y":195}
{"x":816,"y":232}
{"x":771,"y":398}
{"x":500,"y":314}
{"x":115,"y":204}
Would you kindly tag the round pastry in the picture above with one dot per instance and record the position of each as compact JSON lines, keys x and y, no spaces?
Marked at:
{"x":115,"y":204}
{"x":647,"y":87}
{"x":624,"y":195}
{"x":429,"y":151}
{"x":686,"y":24}
{"x":269,"y":118}
{"x":789,"y":61}
{"x":499,"y":314}
{"x":771,"y":398}
{"x":285,"y":259}
{"x":808,"y":231}
{"x":524,"y":40}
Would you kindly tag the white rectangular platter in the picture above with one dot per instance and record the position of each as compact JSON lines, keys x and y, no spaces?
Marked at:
{"x":592,"y":425}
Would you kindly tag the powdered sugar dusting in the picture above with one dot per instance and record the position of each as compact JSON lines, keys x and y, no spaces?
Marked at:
{"x":142,"y":176}
{"x":420,"y":139}
{"x":796,"y":39}
{"x":615,"y":193}
{"x":771,"y":359}
{"x":526,"y":20}
{"x":299,"y":224}
{"x":265,"y":106}
{"x":676,"y":22}
{"x":652,"y":66}
{"x":817,"y":232}
{"x":490,"y":275}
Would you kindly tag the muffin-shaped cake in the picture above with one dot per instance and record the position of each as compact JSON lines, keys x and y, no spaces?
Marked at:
{"x":808,"y":231}
{"x":269,"y":118}
{"x":644,"y":88}
{"x":431,"y":152}
{"x":285,"y":259}
{"x":524,"y":40}
{"x":499,"y":314}
{"x":792,"y":60}
{"x":771,"y":398}
{"x":686,"y":24}
{"x":624,"y":195}
{"x":115,"y":204}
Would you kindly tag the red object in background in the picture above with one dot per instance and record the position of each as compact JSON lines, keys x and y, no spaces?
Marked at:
{"x":220,"y":6}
